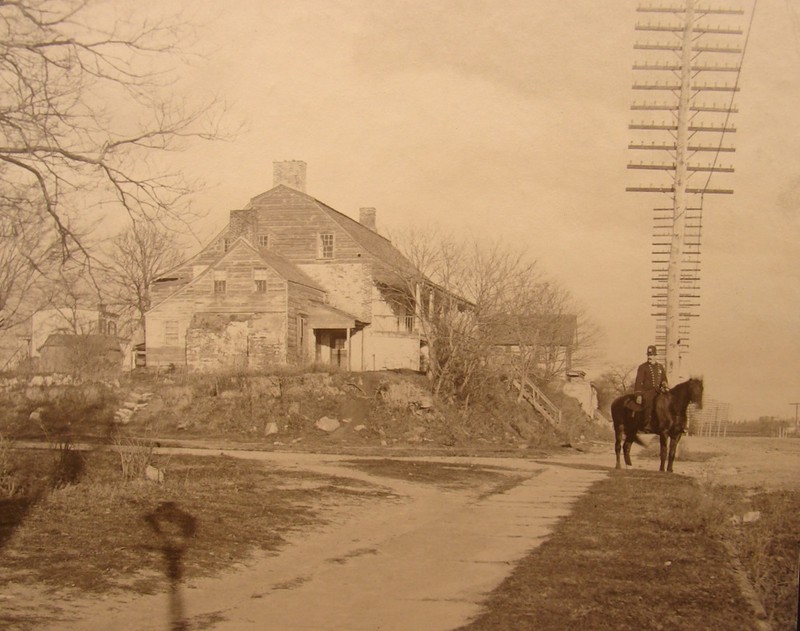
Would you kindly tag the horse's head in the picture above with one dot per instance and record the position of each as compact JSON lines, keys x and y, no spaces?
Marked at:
{"x":696,"y":391}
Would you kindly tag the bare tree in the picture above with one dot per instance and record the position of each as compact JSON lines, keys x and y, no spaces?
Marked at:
{"x":27,"y":252}
{"x":137,"y":256}
{"x":468,"y":296}
{"x":616,"y":380}
{"x":85,"y":108}
{"x":551,"y":332}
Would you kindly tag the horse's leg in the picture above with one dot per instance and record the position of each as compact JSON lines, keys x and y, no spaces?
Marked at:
{"x":663,"y":439}
{"x":673,"y":446}
{"x":619,"y":434}
{"x":626,"y":450}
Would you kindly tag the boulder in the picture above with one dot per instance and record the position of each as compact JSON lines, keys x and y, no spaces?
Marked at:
{"x":154,"y":474}
{"x":327,"y":424}
{"x":123,"y":416}
{"x":270,"y":429}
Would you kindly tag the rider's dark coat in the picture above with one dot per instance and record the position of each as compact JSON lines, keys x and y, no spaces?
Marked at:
{"x":650,"y":378}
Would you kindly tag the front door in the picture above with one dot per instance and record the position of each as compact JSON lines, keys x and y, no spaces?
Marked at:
{"x":339,"y":351}
{"x":332,"y":347}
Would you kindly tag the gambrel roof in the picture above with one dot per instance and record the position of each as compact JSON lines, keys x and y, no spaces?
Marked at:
{"x":381,"y":248}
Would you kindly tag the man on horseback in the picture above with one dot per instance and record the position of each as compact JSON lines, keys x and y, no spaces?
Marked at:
{"x":651,"y":378}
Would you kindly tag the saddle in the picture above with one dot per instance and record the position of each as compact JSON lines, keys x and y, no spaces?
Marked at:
{"x":633,"y":406}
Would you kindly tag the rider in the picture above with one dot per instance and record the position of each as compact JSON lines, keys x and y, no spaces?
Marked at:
{"x":651,"y":378}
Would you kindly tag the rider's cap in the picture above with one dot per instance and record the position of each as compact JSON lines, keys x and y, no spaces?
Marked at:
{"x":652,"y":350}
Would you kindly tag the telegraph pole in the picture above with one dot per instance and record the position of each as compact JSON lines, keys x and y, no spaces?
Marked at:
{"x":674,"y":267}
{"x":685,"y":47}
{"x":796,"y":425}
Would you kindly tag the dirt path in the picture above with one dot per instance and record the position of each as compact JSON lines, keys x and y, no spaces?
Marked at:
{"x":423,"y":561}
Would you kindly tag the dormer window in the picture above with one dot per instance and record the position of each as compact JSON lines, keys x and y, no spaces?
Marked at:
{"x":263,"y":240}
{"x":325,"y":245}
{"x":226,"y":244}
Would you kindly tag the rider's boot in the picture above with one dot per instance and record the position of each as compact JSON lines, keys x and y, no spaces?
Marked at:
{"x":647,"y":426}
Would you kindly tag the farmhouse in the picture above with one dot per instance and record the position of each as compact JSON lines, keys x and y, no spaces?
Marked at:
{"x":289,"y":280}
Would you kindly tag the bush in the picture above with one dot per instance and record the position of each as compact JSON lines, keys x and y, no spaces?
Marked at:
{"x":135,"y":455}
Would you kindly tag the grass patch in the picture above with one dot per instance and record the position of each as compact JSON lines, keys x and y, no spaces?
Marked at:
{"x":92,"y":536}
{"x":640,"y":551}
{"x":769,"y":550}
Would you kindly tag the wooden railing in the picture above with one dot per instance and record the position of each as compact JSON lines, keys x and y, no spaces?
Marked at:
{"x":533,"y":395}
{"x":401,"y":324}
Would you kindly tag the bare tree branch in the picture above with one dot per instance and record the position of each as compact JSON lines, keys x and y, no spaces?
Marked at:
{"x":85,"y":105}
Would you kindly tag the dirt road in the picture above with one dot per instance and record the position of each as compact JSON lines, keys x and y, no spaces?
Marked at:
{"x":423,"y":561}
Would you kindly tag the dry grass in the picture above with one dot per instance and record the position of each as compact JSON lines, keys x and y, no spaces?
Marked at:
{"x":640,"y":551}
{"x":93,"y":536}
{"x":769,"y":549}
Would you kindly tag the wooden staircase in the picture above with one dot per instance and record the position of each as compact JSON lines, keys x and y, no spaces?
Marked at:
{"x":533,"y":395}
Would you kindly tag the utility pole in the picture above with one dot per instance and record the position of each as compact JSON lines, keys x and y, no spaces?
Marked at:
{"x":683,"y":48}
{"x":796,"y":425}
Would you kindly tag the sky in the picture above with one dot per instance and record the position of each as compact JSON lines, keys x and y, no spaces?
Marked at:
{"x":507,"y":119}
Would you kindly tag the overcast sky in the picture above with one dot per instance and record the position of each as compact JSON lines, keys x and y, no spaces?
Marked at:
{"x":508,"y":119}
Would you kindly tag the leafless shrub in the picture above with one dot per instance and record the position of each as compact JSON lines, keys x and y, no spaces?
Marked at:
{"x":135,"y":455}
{"x":69,"y":463}
{"x":10,"y":484}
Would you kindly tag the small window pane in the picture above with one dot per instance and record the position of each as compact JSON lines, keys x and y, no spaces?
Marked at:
{"x":263,"y":240}
{"x":260,"y":280}
{"x":326,"y":245}
{"x":220,"y":278}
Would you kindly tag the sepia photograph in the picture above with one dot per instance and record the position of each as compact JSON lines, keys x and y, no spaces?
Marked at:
{"x":393,"y":315}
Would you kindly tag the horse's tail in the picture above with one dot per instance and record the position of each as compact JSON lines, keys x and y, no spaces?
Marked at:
{"x":618,"y":410}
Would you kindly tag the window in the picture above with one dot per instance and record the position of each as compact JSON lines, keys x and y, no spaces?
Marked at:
{"x":263,"y":240}
{"x":260,"y":280}
{"x":220,"y":279}
{"x":171,"y":333}
{"x":326,"y":245}
{"x":226,"y":243}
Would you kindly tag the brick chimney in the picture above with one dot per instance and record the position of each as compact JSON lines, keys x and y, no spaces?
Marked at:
{"x":366,"y":217}
{"x":291,"y":173}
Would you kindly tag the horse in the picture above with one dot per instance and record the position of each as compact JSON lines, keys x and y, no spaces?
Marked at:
{"x":669,"y":420}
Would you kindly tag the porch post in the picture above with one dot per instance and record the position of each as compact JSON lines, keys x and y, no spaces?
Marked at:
{"x":349,"y":351}
{"x":417,"y":306}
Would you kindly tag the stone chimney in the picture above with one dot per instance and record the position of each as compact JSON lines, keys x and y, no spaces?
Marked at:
{"x":242,"y":224}
{"x":291,"y":173}
{"x":366,"y":217}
